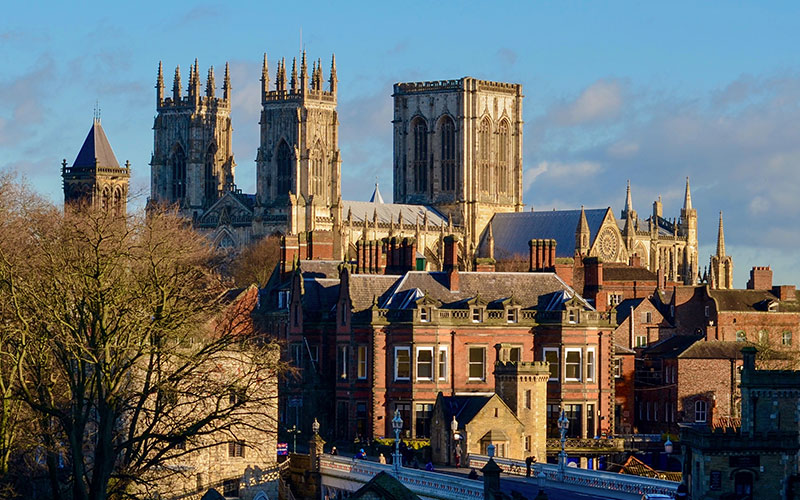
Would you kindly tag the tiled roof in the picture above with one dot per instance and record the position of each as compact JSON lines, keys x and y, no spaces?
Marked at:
{"x":366,"y":287}
{"x":320,"y":268}
{"x":320,"y":294}
{"x":671,"y":347}
{"x":463,"y":407}
{"x":713,"y":349}
{"x":96,"y":147}
{"x":513,"y":231}
{"x":750,"y":300}
{"x":624,"y":272}
{"x":620,"y":349}
{"x":388,"y":212}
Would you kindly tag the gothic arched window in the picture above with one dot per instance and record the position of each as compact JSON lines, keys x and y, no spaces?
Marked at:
{"x":420,"y":165}
{"x":502,"y":157}
{"x":318,"y":173}
{"x":106,"y":199}
{"x":484,"y":145}
{"x":117,"y":201}
{"x":284,"y":159}
{"x":447,"y":134}
{"x":178,"y":165}
{"x":210,"y":177}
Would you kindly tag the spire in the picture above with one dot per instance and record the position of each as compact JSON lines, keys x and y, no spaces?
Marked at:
{"x":264,"y":78}
{"x":376,"y":195}
{"x":720,"y":238}
{"x":226,"y":86}
{"x":582,"y":234}
{"x":628,"y":200}
{"x":160,"y":84}
{"x":333,"y":80}
{"x":176,"y":85}
{"x":282,"y":78}
{"x":313,"y":74}
{"x":210,"y":85}
{"x":294,"y":75}
{"x":303,"y":73}
{"x":687,"y":197}
{"x":194,"y":81}
{"x":320,"y":78}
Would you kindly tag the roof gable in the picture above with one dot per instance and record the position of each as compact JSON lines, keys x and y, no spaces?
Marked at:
{"x":96,"y":150}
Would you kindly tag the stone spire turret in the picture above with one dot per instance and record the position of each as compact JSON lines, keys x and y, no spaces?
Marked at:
{"x":294,"y":75}
{"x":160,"y":85}
{"x":721,"y":268}
{"x":226,"y":86}
{"x":582,"y":235}
{"x":687,"y":197}
{"x":194,"y":81}
{"x":720,"y":238}
{"x":333,"y":80}
{"x":264,"y":79}
{"x":176,"y":85}
{"x":210,"y":85}
{"x":303,"y":73}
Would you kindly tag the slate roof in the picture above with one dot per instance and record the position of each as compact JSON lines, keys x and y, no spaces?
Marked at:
{"x":624,"y":272}
{"x":320,"y":294}
{"x":624,"y":309}
{"x":365,"y":287}
{"x":388,"y":212}
{"x":385,"y":486}
{"x":527,"y":289}
{"x":714,"y":349}
{"x":513,"y":231}
{"x":96,"y":146}
{"x":621,"y":349}
{"x":463,"y":407}
{"x":750,"y":300}
{"x":320,"y":268}
{"x":671,"y":347}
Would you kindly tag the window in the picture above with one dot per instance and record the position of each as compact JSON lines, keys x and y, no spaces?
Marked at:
{"x":763,"y":337}
{"x":476,"y":315}
{"x":551,"y":356}
{"x":527,"y":399}
{"x":361,"y":418}
{"x":707,"y":312}
{"x":572,"y":316}
{"x":740,"y":336}
{"x":700,"y":411}
{"x":617,"y":367}
{"x":590,"y":363}
{"x":574,"y":415}
{"x":424,"y":363}
{"x":484,"y":144}
{"x":314,"y":352}
{"x":511,"y":316}
{"x":319,"y":174}
{"x":210,"y":180}
{"x":787,"y":338}
{"x":655,"y":411}
{"x":422,"y":414}
{"x":284,"y":164}
{"x":402,"y":363}
{"x":283,"y":299}
{"x":420,"y":165}
{"x":614,"y":299}
{"x":647,"y":317}
{"x":527,"y":443}
{"x":297,"y":355}
{"x":362,"y":362}
{"x":405,"y":414}
{"x":515,"y":354}
{"x":641,"y":340}
{"x":448,"y":138}
{"x":649,"y":406}
{"x":341,"y":361}
{"x":502,"y":157}
{"x":442,"y":363}
{"x":236,"y":448}
{"x":477,"y":361}
{"x":572,"y":364}
{"x":590,"y":428}
{"x":230,"y":488}
{"x":178,"y":164}
{"x":424,"y":315}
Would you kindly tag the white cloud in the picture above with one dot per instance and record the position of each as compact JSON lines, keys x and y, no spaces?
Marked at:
{"x":600,"y":101}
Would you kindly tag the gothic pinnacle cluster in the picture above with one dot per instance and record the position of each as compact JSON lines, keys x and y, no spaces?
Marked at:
{"x":194,"y":95}
{"x":306,"y":83}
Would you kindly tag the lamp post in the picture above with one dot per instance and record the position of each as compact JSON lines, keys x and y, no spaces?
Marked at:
{"x":293,"y":431}
{"x":563,"y":425}
{"x":397,"y":425}
{"x":668,"y":447}
{"x":453,"y":444}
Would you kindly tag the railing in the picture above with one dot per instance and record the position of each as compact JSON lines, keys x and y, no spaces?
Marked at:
{"x":422,"y":483}
{"x":609,"y":445}
{"x":582,"y":478}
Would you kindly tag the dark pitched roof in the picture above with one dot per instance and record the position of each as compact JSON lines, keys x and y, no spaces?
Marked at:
{"x":624,"y":272}
{"x":513,"y":231}
{"x":385,"y":486}
{"x":366,"y":287}
{"x":621,"y":349}
{"x":320,"y":268}
{"x":750,"y":300}
{"x":464,"y":408}
{"x":320,"y":294}
{"x":624,"y":309}
{"x":96,"y":147}
{"x":713,"y":349}
{"x":671,"y":347}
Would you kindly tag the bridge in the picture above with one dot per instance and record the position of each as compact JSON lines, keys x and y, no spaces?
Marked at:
{"x":341,"y":476}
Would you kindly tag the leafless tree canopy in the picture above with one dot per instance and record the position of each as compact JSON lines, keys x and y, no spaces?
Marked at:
{"x":123,"y":344}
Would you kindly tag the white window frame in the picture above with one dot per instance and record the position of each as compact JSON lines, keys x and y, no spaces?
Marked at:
{"x":441,"y":364}
{"x":470,"y":363}
{"x":591,"y":361}
{"x":700,"y":410}
{"x":572,"y":316}
{"x":398,"y":349}
{"x":545,"y":350}
{"x":641,"y":340}
{"x":567,"y":352}
{"x":283,"y":299}
{"x":424,"y":315}
{"x":512,"y":315}
{"x":477,"y":315}
{"x":417,"y":363}
{"x":617,"y":366}
{"x":362,"y":362}
{"x":786,"y":338}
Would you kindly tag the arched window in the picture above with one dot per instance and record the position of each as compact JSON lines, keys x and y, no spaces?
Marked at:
{"x":118,"y":201}
{"x":210,"y":180}
{"x":284,"y":160}
{"x":318,"y":173}
{"x":178,"y":165}
{"x":420,"y":165}
{"x":484,"y":145}
{"x":106,"y":199}
{"x":700,"y":411}
{"x":502,"y":157}
{"x":448,"y":137}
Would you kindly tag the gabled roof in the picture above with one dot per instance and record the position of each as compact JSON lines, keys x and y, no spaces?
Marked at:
{"x":713,"y":349}
{"x":750,"y":300}
{"x":463,"y":407}
{"x":390,"y":212}
{"x":513,"y":231}
{"x":624,"y":308}
{"x":624,"y":272}
{"x":671,"y":347}
{"x":320,"y":294}
{"x":96,"y":151}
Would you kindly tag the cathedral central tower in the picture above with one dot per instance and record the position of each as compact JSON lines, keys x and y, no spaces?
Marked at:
{"x":298,"y":165}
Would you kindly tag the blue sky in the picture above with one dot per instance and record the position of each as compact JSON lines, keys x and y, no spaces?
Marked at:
{"x":650,"y":92}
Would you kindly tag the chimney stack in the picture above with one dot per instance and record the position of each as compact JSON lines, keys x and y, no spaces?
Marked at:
{"x":760,"y":278}
{"x":451,"y":261}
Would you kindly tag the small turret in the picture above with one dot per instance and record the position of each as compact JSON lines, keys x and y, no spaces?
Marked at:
{"x":264,"y":79}
{"x":721,"y":267}
{"x":303,"y":73}
{"x":720,"y":238}
{"x":194,"y":81}
{"x":176,"y":85}
{"x":226,"y":86}
{"x":582,"y":235}
{"x":294,"y":75}
{"x":210,"y":85}
{"x":160,"y":85}
{"x":687,"y":197}
{"x":333,"y":80}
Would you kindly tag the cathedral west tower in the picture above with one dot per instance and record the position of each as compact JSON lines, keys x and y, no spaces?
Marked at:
{"x":298,"y":164}
{"x":192,"y":163}
{"x":458,"y":148}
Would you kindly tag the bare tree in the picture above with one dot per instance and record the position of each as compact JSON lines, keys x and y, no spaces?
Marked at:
{"x":128,"y":347}
{"x":255,"y":263}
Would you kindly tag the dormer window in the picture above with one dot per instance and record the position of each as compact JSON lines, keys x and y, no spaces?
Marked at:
{"x":424,"y":315}
{"x":772,"y":306}
{"x":512,"y":315}
{"x":283,"y":299}
{"x":572,"y":316}
{"x":477,"y":316}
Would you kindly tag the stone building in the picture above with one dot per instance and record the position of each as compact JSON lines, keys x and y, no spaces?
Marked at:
{"x":721,"y":267}
{"x":95,"y":177}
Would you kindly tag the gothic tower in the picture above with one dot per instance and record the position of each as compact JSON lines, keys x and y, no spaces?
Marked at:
{"x":95,"y":178}
{"x":458,"y":147}
{"x":298,"y":165}
{"x":192,"y":161}
{"x":721,"y":264}
{"x":688,"y":229}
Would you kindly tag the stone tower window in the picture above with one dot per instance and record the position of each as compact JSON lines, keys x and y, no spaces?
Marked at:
{"x":210,"y":178}
{"x":502,"y":157}
{"x":117,"y":201}
{"x":420,"y":164}
{"x":284,"y":160}
{"x":106,"y":200}
{"x":318,"y":171}
{"x":178,"y":166}
{"x":484,"y":145}
{"x":448,"y":138}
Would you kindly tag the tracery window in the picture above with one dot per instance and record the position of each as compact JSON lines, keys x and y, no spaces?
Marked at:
{"x":448,"y":138}
{"x":284,"y":160}
{"x":502,"y":157}
{"x":420,"y":164}
{"x":210,"y":178}
{"x":318,"y":174}
{"x":117,"y":201}
{"x":178,"y":166}
{"x":484,"y":145}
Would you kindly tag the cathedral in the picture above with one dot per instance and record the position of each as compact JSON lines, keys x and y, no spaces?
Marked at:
{"x":457,"y":170}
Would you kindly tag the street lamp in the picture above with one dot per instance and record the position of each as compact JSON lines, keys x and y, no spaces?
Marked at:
{"x":453,"y":444}
{"x":563,"y":425}
{"x":294,"y":431}
{"x":315,"y":426}
{"x":668,"y":446}
{"x":397,"y":425}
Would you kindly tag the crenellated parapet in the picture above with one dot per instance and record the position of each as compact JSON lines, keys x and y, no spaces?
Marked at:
{"x":198,"y":94}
